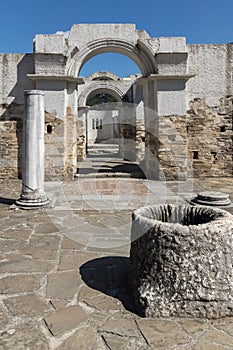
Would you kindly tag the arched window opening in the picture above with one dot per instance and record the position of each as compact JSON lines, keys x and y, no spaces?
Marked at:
{"x":100,"y":99}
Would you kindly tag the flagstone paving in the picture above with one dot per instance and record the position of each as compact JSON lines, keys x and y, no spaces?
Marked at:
{"x":64,"y":270}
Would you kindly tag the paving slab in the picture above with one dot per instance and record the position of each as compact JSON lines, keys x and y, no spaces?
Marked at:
{"x":74,"y":256}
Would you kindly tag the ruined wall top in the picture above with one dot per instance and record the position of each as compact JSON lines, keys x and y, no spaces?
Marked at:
{"x":82,"y":34}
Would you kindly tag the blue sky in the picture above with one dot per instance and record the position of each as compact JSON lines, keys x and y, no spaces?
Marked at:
{"x":200,"y":21}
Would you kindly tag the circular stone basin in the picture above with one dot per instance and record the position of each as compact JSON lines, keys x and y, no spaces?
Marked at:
{"x":181,"y":261}
{"x":212,"y":198}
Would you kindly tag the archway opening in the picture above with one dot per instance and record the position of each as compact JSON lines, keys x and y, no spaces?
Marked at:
{"x":117,"y":63}
{"x":102,"y":122}
{"x":111,"y":142}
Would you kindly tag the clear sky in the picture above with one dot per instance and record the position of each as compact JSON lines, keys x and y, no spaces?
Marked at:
{"x":200,"y":21}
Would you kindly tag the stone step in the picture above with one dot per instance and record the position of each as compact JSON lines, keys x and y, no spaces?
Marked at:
{"x":104,"y":175}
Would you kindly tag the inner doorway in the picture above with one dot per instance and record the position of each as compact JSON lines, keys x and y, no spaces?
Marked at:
{"x":102,"y":123}
{"x":104,"y":156}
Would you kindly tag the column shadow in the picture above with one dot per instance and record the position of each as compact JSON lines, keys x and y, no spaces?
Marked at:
{"x":7,"y":201}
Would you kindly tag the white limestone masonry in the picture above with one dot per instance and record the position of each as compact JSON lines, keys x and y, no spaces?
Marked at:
{"x":173,"y":73}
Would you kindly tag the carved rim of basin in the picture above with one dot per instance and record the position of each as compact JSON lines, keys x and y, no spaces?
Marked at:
{"x":173,"y":216}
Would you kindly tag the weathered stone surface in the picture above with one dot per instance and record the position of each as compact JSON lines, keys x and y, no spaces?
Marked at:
{"x":19,"y":232}
{"x":43,"y":247}
{"x":58,"y":304}
{"x":100,"y":301}
{"x":181,"y":261}
{"x":205,"y":345}
{"x":93,"y":293}
{"x":193,"y":327}
{"x":19,"y":263}
{"x":83,"y":339}
{"x":116,"y":342}
{"x":65,"y":319}
{"x":19,"y":284}
{"x":3,"y":318}
{"x":225,"y":324}
{"x":70,"y":244}
{"x":87,"y":294}
{"x":162,"y":334}
{"x":8,"y":245}
{"x":41,"y":228}
{"x":71,"y":260}
{"x":27,"y":306}
{"x":208,"y":138}
{"x":219,"y":337}
{"x":123,"y":326}
{"x":26,"y":335}
{"x":63,"y":285}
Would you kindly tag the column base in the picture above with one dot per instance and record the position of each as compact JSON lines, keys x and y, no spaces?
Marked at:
{"x":24,"y":203}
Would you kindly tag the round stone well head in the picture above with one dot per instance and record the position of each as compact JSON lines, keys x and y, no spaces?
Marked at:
{"x":181,"y":261}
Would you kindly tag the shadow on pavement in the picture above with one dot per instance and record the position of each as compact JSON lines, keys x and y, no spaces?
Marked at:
{"x":109,"y":275}
{"x":7,"y":201}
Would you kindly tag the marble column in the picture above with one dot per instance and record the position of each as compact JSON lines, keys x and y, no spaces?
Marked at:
{"x":152,"y":167}
{"x":33,"y":195}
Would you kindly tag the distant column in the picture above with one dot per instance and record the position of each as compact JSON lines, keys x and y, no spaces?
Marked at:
{"x":33,"y":195}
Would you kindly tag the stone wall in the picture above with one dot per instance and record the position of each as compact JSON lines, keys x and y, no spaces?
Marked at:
{"x":211,"y":66}
{"x":197,"y":144}
{"x":13,"y":78}
{"x":209,"y":138}
{"x":9,"y":162}
{"x":11,"y":140}
{"x":54,"y":147}
{"x":70,"y":156}
{"x":172,"y":152}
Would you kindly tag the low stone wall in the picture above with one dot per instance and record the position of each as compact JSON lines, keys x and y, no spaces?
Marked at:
{"x":9,"y":157}
{"x":181,"y":261}
{"x":11,"y":128}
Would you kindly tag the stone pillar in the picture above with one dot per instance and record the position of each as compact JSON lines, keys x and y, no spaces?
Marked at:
{"x":151,"y":129}
{"x":128,"y":134}
{"x":139,"y":122}
{"x":32,"y":195}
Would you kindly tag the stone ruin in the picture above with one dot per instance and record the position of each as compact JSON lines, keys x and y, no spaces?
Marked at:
{"x":181,"y":261}
{"x":178,"y":116}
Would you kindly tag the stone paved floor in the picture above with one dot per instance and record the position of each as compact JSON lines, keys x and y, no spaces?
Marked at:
{"x":63,"y":270}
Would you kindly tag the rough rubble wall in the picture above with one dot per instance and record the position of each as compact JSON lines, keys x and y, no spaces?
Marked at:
{"x":81,"y":135}
{"x":209,"y":138}
{"x":54,"y":147}
{"x":11,"y":140}
{"x":9,"y":150}
{"x":13,"y":81}
{"x":172,"y":152}
{"x":70,"y":156}
{"x":197,"y":144}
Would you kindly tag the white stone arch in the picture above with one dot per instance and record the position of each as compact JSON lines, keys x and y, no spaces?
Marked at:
{"x":140,"y":53}
{"x":100,"y":87}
